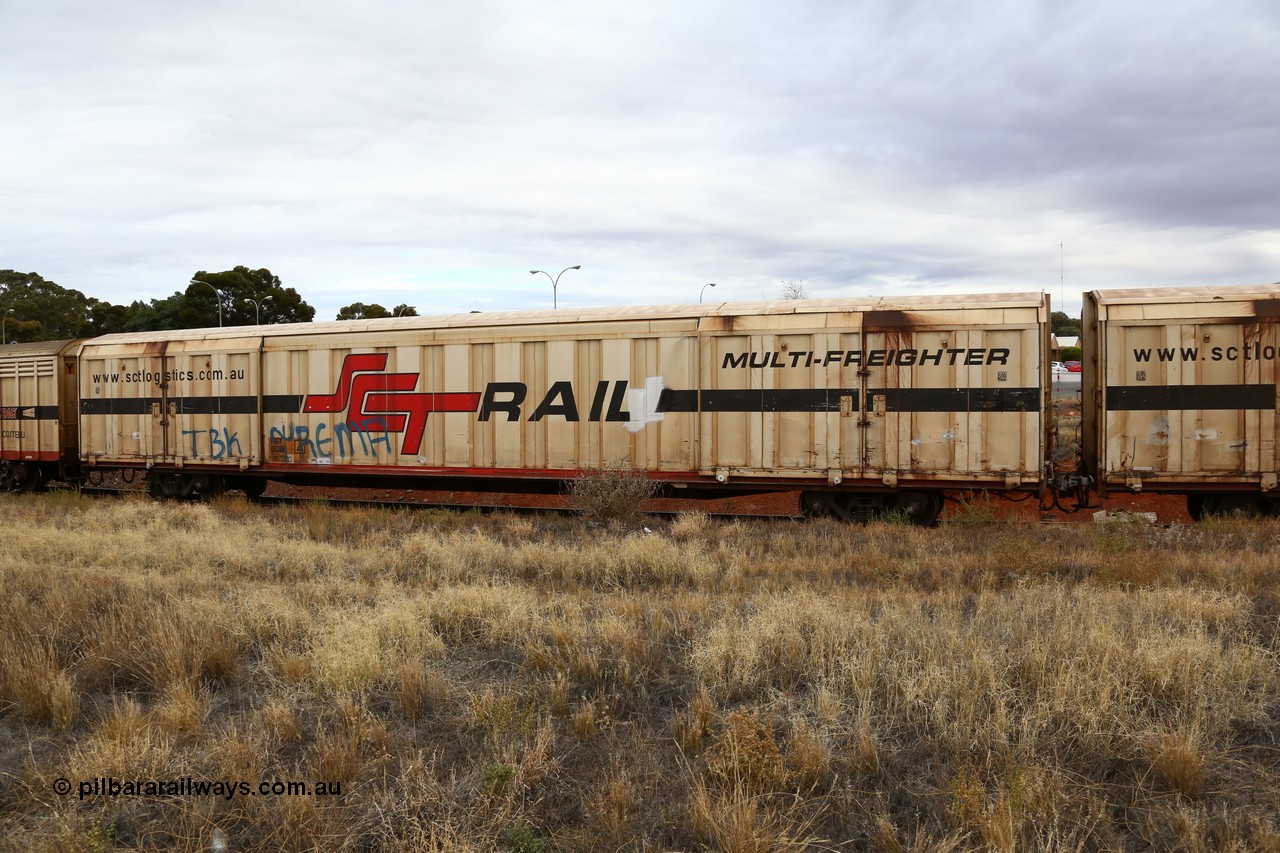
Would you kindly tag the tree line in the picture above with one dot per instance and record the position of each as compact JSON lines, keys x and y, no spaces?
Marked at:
{"x":36,"y":309}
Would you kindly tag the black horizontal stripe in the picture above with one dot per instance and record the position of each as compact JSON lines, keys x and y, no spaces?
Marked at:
{"x":957,"y":399}
{"x":215,"y":405}
{"x":776,"y":399}
{"x":756,"y":400}
{"x":117,"y":405}
{"x":1121,"y":398}
{"x":241,"y":405}
{"x":282,"y":403}
{"x":828,"y":399}
{"x":672,"y":400}
{"x":28,"y":413}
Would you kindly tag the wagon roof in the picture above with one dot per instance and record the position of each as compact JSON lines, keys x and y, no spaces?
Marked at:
{"x":1225,"y":293}
{"x":35,"y":348}
{"x":598,"y":315}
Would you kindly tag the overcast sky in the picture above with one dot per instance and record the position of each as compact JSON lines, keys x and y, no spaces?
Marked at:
{"x":434,"y":152}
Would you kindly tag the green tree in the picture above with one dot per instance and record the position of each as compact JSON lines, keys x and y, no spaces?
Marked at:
{"x":240,"y":288}
{"x":22,"y":331}
{"x":196,"y":307}
{"x":360,"y":311}
{"x":403,"y":310}
{"x":107,"y":319}
{"x":1063,"y":324}
{"x":42,"y":310}
{"x":162,"y":314}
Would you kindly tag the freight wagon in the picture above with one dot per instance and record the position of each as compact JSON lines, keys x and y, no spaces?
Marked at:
{"x":861,"y":406}
{"x":38,"y":418}
{"x":1179,"y":390}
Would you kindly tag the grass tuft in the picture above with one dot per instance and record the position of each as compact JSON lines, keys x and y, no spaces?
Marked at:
{"x":611,"y":495}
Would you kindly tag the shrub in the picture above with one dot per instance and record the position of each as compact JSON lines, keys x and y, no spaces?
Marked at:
{"x":521,"y":837}
{"x":972,"y":510}
{"x":747,"y":755}
{"x":611,"y":495}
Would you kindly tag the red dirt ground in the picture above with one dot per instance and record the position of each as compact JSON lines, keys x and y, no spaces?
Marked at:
{"x":1169,"y":509}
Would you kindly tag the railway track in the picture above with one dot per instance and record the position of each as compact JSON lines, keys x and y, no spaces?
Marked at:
{"x":993,"y":509}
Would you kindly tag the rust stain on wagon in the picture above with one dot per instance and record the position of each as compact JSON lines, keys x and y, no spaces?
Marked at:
{"x":888,"y":319}
{"x":1266,"y":307}
{"x":898,"y":339}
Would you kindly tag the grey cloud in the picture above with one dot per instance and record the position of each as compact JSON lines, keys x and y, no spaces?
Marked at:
{"x":904,"y":144}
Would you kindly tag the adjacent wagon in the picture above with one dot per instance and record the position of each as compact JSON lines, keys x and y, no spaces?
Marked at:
{"x":1180,"y":394}
{"x":38,"y":418}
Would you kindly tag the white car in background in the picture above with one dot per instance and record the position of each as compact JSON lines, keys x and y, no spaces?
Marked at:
{"x":1059,"y":367}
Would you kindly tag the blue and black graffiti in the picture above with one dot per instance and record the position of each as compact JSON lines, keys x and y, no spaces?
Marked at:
{"x":343,"y":439}
{"x":222,"y":442}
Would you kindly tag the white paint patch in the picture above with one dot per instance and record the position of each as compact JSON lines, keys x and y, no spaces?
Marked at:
{"x":642,"y":404}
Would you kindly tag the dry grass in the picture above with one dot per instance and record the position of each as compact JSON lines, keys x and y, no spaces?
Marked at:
{"x":506,"y":682}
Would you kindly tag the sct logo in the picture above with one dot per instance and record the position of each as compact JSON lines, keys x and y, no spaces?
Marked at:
{"x":366,"y":392}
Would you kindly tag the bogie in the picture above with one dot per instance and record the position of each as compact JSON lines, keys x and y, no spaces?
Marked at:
{"x":917,"y":507}
{"x":20,"y":477}
{"x":1232,"y":505}
{"x":168,"y":485}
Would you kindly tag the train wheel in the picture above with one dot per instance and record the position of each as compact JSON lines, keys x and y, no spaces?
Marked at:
{"x":827,"y":505}
{"x":20,"y":477}
{"x":920,"y":508}
{"x":166,"y":486}
{"x":841,"y":505}
{"x":210,"y":487}
{"x":253,"y":487}
{"x":155,"y":487}
{"x":816,"y":504}
{"x":1234,"y":506}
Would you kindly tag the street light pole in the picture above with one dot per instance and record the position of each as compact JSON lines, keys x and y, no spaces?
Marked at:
{"x":554,"y":281}
{"x":704,"y":289}
{"x":257,"y":308}
{"x":215,"y":290}
{"x":4,"y":334}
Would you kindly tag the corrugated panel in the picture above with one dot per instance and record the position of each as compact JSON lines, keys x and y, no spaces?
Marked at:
{"x":563,"y":402}
{"x":186,"y":401}
{"x":1187,"y":377}
{"x":29,"y":415}
{"x":891,"y":390}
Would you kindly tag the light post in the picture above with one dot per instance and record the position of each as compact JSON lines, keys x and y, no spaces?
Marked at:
{"x":554,"y":281}
{"x":215,"y":290}
{"x":4,"y":334}
{"x":257,"y":308}
{"x":704,"y":289}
